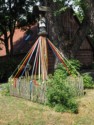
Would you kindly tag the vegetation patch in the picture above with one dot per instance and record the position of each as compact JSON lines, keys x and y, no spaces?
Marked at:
{"x":88,"y":81}
{"x":5,"y":89}
{"x":60,"y":94}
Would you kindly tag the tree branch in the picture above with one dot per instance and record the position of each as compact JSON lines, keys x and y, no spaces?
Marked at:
{"x":2,"y":39}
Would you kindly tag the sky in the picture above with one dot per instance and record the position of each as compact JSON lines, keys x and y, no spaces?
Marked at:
{"x":70,"y":2}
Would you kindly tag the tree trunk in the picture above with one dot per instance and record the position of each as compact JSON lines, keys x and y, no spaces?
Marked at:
{"x":90,"y":13}
{"x":54,"y":33}
{"x":11,"y":45}
{"x":6,"y":45}
{"x":11,"y":39}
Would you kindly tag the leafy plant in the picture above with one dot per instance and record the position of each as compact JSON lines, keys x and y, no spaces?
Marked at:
{"x":5,"y":89}
{"x":61,"y":94}
{"x":88,"y":81}
{"x":72,"y":65}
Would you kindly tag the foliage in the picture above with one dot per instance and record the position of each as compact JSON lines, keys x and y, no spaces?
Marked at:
{"x":5,"y":89}
{"x":11,"y":11}
{"x":88,"y":81}
{"x":77,"y":5}
{"x":61,"y":7}
{"x":73,"y":66}
{"x":61,"y":94}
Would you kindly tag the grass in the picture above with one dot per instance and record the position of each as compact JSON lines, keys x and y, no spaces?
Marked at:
{"x":86,"y":110}
{"x":17,"y":111}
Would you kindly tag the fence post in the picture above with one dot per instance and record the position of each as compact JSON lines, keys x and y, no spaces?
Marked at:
{"x":30,"y":89}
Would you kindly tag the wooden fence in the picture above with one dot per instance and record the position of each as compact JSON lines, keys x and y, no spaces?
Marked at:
{"x":76,"y":83}
{"x":27,"y":89}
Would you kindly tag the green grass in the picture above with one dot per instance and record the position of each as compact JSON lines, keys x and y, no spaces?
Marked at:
{"x":17,"y":111}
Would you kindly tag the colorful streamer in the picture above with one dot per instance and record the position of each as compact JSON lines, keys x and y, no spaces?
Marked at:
{"x":40,"y":66}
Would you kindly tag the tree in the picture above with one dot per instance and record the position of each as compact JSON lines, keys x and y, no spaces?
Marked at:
{"x":86,"y":12}
{"x":55,"y":29}
{"x":10,"y":12}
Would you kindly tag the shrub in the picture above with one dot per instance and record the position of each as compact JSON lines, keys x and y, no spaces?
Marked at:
{"x":74,"y":63}
{"x":74,"y":66}
{"x":60,"y":94}
{"x":73,"y":105}
{"x":88,"y":81}
{"x":5,"y":89}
